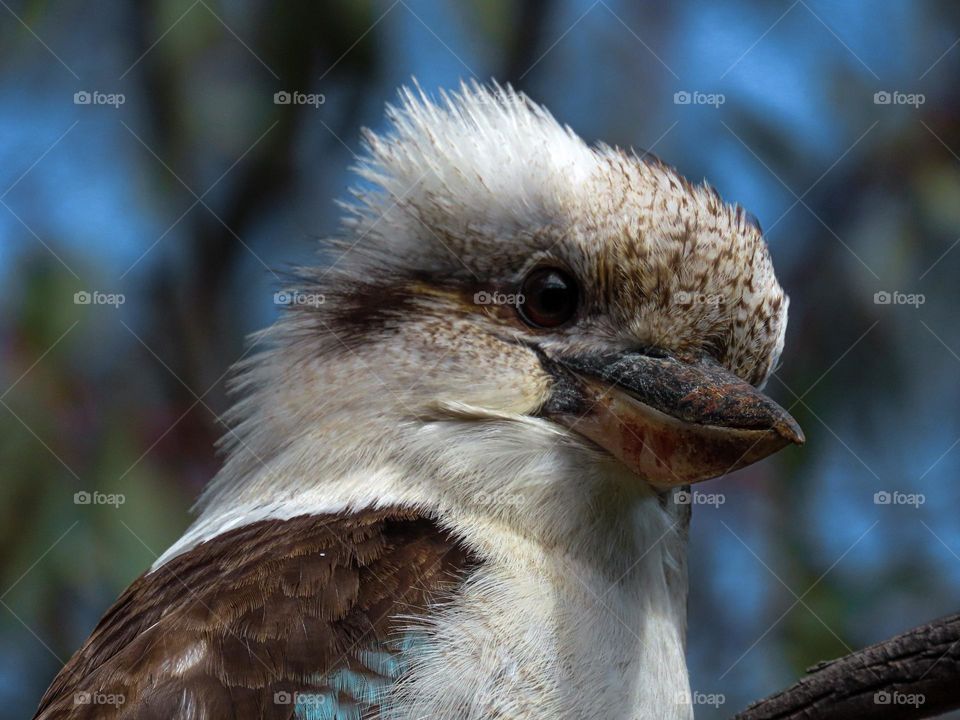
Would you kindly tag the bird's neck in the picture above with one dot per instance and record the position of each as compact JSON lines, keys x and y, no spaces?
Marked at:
{"x":591,"y":628}
{"x":580,"y":592}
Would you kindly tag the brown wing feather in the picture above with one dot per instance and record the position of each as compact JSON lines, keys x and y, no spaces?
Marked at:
{"x":269,"y":607}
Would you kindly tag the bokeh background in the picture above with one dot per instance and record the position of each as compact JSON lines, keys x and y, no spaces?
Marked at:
{"x":184,"y":188}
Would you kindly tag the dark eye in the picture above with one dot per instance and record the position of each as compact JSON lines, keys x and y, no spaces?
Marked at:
{"x":550,"y":298}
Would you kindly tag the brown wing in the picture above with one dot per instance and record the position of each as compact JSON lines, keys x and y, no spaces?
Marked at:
{"x":241,"y":623}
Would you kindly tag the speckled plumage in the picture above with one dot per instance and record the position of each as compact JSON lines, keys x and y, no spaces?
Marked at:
{"x":486,"y":184}
{"x":392,"y":387}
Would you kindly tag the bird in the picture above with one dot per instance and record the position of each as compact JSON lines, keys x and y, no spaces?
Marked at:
{"x":456,"y":477}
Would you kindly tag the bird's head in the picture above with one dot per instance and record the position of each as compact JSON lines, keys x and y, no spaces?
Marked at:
{"x":506,"y":298}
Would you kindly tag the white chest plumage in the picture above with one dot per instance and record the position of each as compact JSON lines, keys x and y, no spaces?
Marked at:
{"x":543,"y":633}
{"x":577,"y":606}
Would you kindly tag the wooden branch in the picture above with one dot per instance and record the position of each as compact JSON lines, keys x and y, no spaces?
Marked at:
{"x":913,"y":675}
{"x":522,"y":50}
{"x":298,"y":41}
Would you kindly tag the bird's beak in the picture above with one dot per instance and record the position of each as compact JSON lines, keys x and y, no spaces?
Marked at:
{"x":671,"y":422}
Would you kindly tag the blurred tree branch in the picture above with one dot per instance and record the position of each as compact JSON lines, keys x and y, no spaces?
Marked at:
{"x":194,"y":327}
{"x":532,"y":19}
{"x":876,"y":682}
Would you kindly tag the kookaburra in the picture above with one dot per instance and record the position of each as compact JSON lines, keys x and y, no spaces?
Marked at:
{"x":450,"y":487}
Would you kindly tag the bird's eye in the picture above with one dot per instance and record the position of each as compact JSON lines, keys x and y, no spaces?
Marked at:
{"x":550,"y":298}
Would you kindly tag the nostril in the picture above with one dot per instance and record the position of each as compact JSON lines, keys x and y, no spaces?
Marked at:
{"x":653,"y":352}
